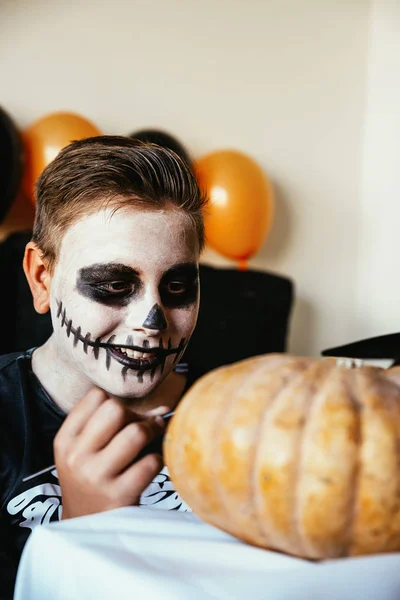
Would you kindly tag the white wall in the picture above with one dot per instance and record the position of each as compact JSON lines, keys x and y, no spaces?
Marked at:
{"x":377,"y":299}
{"x":282,"y":80}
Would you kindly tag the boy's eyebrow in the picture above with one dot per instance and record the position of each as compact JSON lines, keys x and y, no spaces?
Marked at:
{"x":187,"y":269}
{"x":106,"y":271}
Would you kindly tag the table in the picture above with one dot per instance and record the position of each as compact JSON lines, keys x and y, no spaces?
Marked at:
{"x":136,"y":553}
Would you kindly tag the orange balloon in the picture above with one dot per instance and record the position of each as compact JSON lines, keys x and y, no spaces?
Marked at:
{"x":44,"y":139}
{"x":241,"y":206}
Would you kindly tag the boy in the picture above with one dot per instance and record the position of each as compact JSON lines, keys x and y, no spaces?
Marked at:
{"x":114,"y":257}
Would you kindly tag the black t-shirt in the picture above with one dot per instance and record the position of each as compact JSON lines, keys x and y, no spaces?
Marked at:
{"x":29,"y":421}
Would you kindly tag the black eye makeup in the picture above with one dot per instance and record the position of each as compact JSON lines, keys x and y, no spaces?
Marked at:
{"x":179,"y":287}
{"x":115,"y":284}
{"x":112,"y":284}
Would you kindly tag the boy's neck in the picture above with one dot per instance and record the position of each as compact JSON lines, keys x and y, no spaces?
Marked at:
{"x":66,"y":387}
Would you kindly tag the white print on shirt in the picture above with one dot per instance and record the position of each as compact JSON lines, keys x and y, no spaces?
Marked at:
{"x":162,"y":494}
{"x":43,"y":503}
{"x":33,"y":509}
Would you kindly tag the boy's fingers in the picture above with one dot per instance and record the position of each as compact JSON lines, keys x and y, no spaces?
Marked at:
{"x":81,"y":413}
{"x":132,"y":482}
{"x":159,"y":410}
{"x":110,"y":417}
{"x":126,"y":445}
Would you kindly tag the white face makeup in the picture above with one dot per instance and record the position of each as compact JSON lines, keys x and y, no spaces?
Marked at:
{"x":124,"y":298}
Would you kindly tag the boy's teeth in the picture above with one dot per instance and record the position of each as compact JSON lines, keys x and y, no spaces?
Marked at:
{"x":135,"y":354}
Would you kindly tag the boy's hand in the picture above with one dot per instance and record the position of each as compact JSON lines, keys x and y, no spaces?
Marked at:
{"x":94,"y":450}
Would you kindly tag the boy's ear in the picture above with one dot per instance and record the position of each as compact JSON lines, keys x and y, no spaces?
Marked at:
{"x":38,"y":276}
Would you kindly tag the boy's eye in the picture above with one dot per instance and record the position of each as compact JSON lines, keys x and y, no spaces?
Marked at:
{"x":181,"y":292}
{"x":176,"y":287}
{"x":115,"y":287}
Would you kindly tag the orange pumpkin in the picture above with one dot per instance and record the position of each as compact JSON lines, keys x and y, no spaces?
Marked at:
{"x":293,"y":454}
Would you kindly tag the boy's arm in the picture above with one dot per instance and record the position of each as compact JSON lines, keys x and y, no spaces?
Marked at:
{"x":94,"y":451}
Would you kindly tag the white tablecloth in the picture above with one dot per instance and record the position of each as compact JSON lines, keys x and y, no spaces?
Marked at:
{"x":143,"y":554}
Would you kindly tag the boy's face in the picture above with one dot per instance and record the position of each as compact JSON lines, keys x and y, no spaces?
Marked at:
{"x":124,"y":297}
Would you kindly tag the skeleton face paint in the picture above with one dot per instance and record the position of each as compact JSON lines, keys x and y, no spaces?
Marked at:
{"x":124,"y":299}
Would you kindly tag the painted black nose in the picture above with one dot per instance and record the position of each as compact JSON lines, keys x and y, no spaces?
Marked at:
{"x":155,"y":319}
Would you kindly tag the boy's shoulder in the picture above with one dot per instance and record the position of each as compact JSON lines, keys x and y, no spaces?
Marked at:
{"x":14,"y":369}
{"x":11,"y":360}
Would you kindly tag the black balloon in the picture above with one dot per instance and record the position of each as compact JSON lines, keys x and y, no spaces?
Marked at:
{"x":161,"y":138}
{"x":11,"y":162}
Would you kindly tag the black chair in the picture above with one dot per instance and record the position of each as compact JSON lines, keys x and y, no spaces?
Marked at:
{"x":242,"y":313}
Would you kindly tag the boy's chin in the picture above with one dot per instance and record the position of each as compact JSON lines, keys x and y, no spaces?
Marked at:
{"x":130,"y":390}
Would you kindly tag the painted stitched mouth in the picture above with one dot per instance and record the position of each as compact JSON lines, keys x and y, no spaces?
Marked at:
{"x":133,"y":359}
